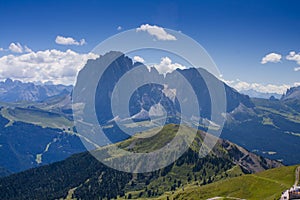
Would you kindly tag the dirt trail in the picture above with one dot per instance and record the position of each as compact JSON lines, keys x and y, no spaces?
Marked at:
{"x":297,"y":171}
{"x":285,"y":194}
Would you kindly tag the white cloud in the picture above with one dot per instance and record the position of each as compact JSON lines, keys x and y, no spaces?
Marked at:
{"x":82,"y":42}
{"x":166,"y":66}
{"x":49,"y":65}
{"x":119,"y":28}
{"x":16,"y":47}
{"x":271,"y":57}
{"x":138,"y":59}
{"x":156,"y":31}
{"x":265,"y":88}
{"x":294,"y":57}
{"x":27,"y":49}
{"x":69,"y":41}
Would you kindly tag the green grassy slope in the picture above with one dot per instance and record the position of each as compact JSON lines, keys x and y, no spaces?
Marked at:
{"x":37,"y":117}
{"x":285,"y":109}
{"x":264,"y":185}
{"x":85,"y":178}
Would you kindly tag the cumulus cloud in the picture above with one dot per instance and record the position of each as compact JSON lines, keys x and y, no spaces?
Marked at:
{"x":166,"y":66}
{"x":271,"y":57}
{"x":27,"y":49}
{"x":69,"y":41}
{"x":50,"y":65}
{"x":265,"y":88}
{"x":16,"y":47}
{"x":293,"y":56}
{"x":138,"y":59}
{"x":156,"y":31}
{"x":119,"y":28}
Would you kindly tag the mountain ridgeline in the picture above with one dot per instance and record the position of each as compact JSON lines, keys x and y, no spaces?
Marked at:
{"x":152,"y":94}
{"x":292,"y":93}
{"x":147,"y":98}
{"x":36,"y":120}
{"x":14,"y":91}
{"x":42,"y":132}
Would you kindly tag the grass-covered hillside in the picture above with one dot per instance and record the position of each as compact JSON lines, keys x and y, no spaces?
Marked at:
{"x":83,"y":177}
{"x":266,"y":185}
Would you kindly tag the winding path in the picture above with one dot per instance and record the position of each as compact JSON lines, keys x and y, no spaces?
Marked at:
{"x":285,"y":194}
{"x":297,"y":176}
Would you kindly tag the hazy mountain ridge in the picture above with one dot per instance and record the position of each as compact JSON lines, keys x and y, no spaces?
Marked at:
{"x":14,"y":91}
{"x":255,"y":94}
{"x":292,"y":93}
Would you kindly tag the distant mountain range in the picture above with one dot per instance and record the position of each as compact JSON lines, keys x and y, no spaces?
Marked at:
{"x":14,"y":91}
{"x":36,"y":125}
{"x":29,"y":125}
{"x":292,"y":94}
{"x":255,"y":94}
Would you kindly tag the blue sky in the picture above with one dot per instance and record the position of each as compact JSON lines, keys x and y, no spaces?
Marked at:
{"x":237,"y":34}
